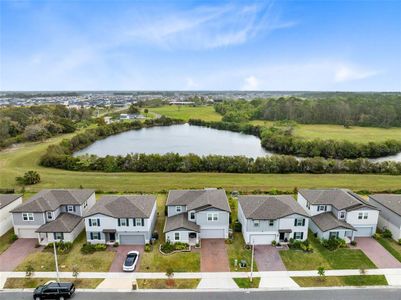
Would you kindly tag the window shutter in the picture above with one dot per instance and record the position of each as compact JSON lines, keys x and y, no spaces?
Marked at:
{"x":98,"y":222}
{"x":143,"y":222}
{"x":318,"y":208}
{"x":54,"y":235}
{"x":73,"y":208}
{"x":295,"y":222}
{"x":91,"y":234}
{"x":118,"y":222}
{"x":127,"y":222}
{"x":90,"y":222}
{"x":302,"y":235}
{"x":134,"y":221}
{"x":325,"y":208}
{"x":303,"y":222}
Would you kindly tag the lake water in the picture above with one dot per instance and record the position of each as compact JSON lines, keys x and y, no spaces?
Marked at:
{"x":182,"y":139}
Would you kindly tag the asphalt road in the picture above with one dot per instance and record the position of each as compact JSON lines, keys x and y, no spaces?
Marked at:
{"x":331,"y":294}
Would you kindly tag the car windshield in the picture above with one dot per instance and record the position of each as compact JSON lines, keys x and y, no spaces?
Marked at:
{"x":129,"y":261}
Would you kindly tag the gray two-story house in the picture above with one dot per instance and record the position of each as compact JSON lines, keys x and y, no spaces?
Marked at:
{"x":53,"y":215}
{"x":128,"y":220}
{"x":196,"y":214}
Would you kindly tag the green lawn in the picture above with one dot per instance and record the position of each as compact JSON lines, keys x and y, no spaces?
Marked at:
{"x":154,"y":261}
{"x":165,"y":284}
{"x":206,"y":113}
{"x":245,"y":283}
{"x":344,"y":258}
{"x":392,"y":246}
{"x":44,"y":261}
{"x":5,"y":240}
{"x":30,"y":283}
{"x":356,"y":280}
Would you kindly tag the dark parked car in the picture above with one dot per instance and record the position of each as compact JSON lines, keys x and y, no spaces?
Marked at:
{"x":54,"y":290}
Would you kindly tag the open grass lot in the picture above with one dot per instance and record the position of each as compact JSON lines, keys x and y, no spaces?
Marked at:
{"x":357,"y":280}
{"x":391,"y":246}
{"x":154,"y":261}
{"x":338,"y":132}
{"x":165,"y":284}
{"x":245,"y":283}
{"x":5,"y":240}
{"x":185,"y":113}
{"x":30,"y":283}
{"x":99,"y":261}
{"x":16,"y":161}
{"x":343,"y":258}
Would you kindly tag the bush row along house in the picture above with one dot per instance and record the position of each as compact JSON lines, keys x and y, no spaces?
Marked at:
{"x":193,"y":215}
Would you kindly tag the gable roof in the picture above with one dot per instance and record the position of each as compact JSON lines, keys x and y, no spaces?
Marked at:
{"x":50,"y":200}
{"x":389,"y":201}
{"x":124,"y":206}
{"x":199,"y":199}
{"x":339,"y":198}
{"x":6,"y":199}
{"x":327,"y":221}
{"x":266,"y":207}
{"x":65,"y":222}
{"x":180,"y":221}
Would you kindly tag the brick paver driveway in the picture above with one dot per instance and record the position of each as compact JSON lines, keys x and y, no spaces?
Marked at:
{"x":214,"y":256}
{"x":16,"y":253}
{"x":121,"y":254}
{"x":268,"y":258}
{"x":377,"y":253}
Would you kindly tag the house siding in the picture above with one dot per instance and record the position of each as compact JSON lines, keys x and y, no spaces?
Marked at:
{"x":6,"y":219}
{"x":388,"y":220}
{"x":171,"y":210}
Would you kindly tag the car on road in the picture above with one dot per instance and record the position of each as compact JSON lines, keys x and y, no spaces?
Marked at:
{"x":54,"y":290}
{"x":131,"y":261}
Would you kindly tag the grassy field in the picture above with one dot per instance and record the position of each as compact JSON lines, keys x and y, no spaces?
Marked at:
{"x":44,"y":261}
{"x":165,"y":284}
{"x":392,"y":246}
{"x":245,"y":283}
{"x":15,"y":161}
{"x":343,"y":258}
{"x":30,"y":283}
{"x":5,"y":240}
{"x":154,"y":261}
{"x":357,"y":280}
{"x":206,"y":113}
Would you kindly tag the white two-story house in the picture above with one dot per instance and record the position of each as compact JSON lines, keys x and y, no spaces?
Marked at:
{"x":266,"y":218}
{"x":339,"y":213}
{"x":7,"y":203}
{"x":53,"y":215}
{"x":196,"y":214}
{"x":127,"y":220}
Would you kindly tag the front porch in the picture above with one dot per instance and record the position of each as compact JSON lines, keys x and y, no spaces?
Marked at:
{"x":109,"y":236}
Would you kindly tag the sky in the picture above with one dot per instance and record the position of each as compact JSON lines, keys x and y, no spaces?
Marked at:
{"x":200,"y":45}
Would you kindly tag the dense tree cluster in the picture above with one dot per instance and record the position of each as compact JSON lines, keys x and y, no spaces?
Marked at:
{"x":38,"y":122}
{"x":279,"y":139}
{"x":379,"y":110}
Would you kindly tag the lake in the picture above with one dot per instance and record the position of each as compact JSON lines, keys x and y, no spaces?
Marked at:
{"x":182,"y":139}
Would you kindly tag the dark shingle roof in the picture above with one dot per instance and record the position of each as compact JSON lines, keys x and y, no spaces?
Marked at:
{"x":127,"y":206}
{"x":265,"y":207}
{"x":390,"y":201}
{"x":327,"y":221}
{"x":339,"y":198}
{"x":199,"y":199}
{"x":49,"y":200}
{"x":180,"y":221}
{"x":65,"y":222}
{"x":6,"y":199}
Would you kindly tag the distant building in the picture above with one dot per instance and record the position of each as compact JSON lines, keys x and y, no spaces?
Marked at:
{"x":131,"y":116}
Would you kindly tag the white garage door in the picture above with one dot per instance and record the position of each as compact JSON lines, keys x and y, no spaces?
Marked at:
{"x":212,"y":234}
{"x":364,"y":231}
{"x":262,"y":239}
{"x":131,"y":239}
{"x":27,"y":233}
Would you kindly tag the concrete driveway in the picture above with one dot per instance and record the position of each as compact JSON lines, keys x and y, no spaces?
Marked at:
{"x":268,"y":258}
{"x":377,"y":253}
{"x":214,"y":256}
{"x":17,"y":252}
{"x":121,"y":253}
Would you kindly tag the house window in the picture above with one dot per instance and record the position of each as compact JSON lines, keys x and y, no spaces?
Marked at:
{"x":308,"y":205}
{"x":27,"y":217}
{"x":322,"y":208}
{"x":122,"y":222}
{"x":271,"y":222}
{"x":192,"y":215}
{"x":178,"y":208}
{"x":95,"y":235}
{"x":365,"y":216}
{"x":94,"y":222}
{"x":342,"y":214}
{"x":256,"y":223}
{"x":58,"y":236}
{"x":299,"y":222}
{"x":362,"y":216}
{"x":176,"y":236}
{"x":333,"y":234}
{"x":212,"y":217}
{"x":49,"y":215}
{"x":85,"y":204}
{"x":138,"y":222}
{"x":70,"y":208}
{"x":298,"y":235}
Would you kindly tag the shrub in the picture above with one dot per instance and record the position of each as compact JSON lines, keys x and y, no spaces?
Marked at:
{"x":387,"y":234}
{"x":353,"y":243}
{"x":100,"y":247}
{"x":88,"y":248}
{"x":13,"y":238}
{"x":377,"y":236}
{"x":333,"y":243}
{"x":29,"y":270}
{"x":237,"y":226}
{"x":61,"y":247}
{"x":274,"y":243}
{"x":116,"y":244}
{"x":169,"y":247}
{"x":148,"y":248}
{"x":29,"y":178}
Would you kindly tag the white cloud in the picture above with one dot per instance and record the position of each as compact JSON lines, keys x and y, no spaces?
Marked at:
{"x":347,"y":73}
{"x":251,"y":84}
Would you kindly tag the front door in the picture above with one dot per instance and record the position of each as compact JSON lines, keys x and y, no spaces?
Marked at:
{"x":112,"y":236}
{"x":282,"y":236}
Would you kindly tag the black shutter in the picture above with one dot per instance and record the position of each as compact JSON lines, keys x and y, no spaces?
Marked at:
{"x":318,"y":208}
{"x":127,"y":222}
{"x":143,"y":222}
{"x":91,"y":235}
{"x":90,"y":222}
{"x":118,"y":222}
{"x":73,"y":208}
{"x":303,"y":222}
{"x":302,"y":235}
{"x":98,"y":222}
{"x":134,"y":220}
{"x":295,"y":222}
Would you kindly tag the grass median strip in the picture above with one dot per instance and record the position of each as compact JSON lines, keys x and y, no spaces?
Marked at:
{"x":30,"y":283}
{"x":6,"y":240}
{"x":245,"y":283}
{"x":391,"y":246}
{"x":168,"y":283}
{"x":355,"y":280}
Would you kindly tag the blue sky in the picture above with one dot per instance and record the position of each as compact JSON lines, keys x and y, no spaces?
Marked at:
{"x":200,"y":45}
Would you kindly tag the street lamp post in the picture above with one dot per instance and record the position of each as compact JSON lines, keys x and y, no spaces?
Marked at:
{"x":253,"y":251}
{"x":55,"y":260}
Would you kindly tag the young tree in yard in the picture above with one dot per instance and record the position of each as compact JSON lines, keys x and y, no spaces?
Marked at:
{"x":170,"y":275}
{"x":322,"y":273}
{"x":29,"y":178}
{"x":75,"y":271}
{"x":146,"y":111}
{"x":29,"y":270}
